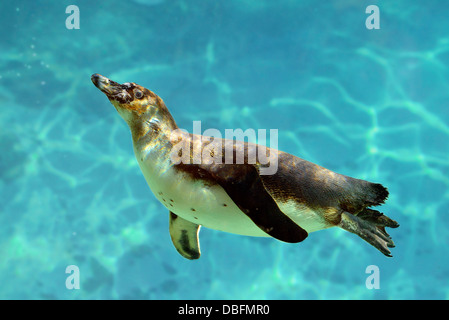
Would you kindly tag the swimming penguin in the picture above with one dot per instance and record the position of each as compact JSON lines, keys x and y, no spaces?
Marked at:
{"x":220,"y":192}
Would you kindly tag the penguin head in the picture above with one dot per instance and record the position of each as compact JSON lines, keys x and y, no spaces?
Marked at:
{"x":134,"y":103}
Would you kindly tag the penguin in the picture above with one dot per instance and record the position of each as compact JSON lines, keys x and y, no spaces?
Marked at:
{"x":221,"y":184}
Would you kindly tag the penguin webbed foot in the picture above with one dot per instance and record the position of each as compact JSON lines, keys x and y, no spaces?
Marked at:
{"x":370,"y":226}
{"x":377,"y":218}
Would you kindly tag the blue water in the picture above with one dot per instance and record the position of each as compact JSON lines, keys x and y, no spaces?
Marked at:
{"x":371,"y":104}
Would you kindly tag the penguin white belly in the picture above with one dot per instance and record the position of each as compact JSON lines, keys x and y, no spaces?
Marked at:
{"x":195,"y":201}
{"x":211,"y":207}
{"x":303,"y":216}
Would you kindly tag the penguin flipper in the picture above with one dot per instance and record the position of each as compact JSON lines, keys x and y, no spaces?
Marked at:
{"x":244,"y":186}
{"x":184,"y":235}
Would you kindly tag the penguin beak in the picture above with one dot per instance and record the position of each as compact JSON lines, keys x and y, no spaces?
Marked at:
{"x":109,"y":87}
{"x":112,"y":89}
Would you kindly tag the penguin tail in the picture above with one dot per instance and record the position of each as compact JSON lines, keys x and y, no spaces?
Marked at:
{"x":377,"y":194}
{"x":362,"y":194}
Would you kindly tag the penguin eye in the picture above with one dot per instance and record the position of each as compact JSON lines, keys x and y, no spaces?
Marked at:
{"x":138,"y":94}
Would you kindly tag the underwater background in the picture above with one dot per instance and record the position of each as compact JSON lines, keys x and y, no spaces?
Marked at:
{"x":368,"y":103}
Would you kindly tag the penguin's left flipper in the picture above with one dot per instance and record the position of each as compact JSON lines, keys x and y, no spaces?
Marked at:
{"x":244,"y":186}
